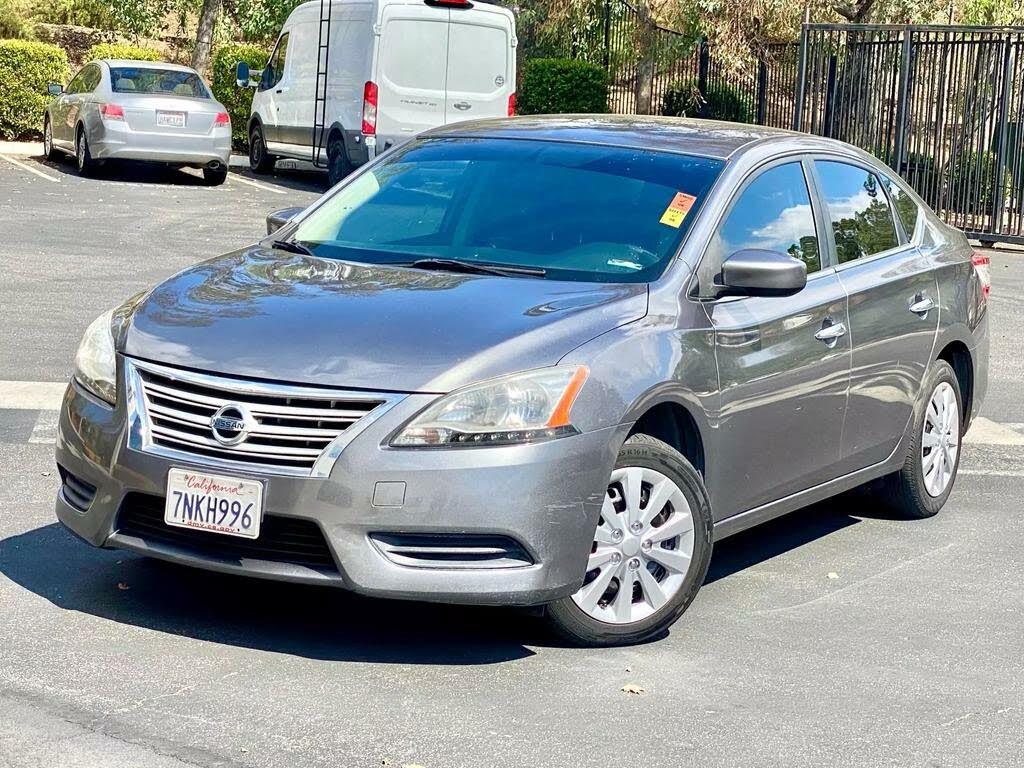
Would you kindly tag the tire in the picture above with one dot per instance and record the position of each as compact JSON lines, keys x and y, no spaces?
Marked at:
{"x":912,"y":492}
{"x":338,"y":164}
{"x":83,"y":156}
{"x":611,"y":622}
{"x":260,"y":161}
{"x":214,"y":177}
{"x":48,"y":151}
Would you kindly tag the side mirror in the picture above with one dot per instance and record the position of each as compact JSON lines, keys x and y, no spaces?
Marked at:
{"x":242,"y":75}
{"x":763,"y":273}
{"x":278,"y":219}
{"x":55,"y":89}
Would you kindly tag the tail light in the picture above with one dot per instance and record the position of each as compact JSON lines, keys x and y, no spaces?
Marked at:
{"x":111,"y":112}
{"x":512,"y":104}
{"x":370,"y":108}
{"x":981,"y":266}
{"x":222,"y":118}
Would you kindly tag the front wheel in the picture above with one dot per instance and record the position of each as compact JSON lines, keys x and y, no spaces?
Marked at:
{"x":48,"y":151}
{"x":651,"y":550}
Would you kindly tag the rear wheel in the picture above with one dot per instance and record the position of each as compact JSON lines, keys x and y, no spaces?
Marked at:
{"x":215,"y":176}
{"x":921,"y":487}
{"x":48,"y":151}
{"x":83,"y":157}
{"x":338,"y":164}
{"x":650,"y":554}
{"x":259,"y":159}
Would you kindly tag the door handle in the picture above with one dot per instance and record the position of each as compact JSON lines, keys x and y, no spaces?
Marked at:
{"x":922,"y":305}
{"x":830,"y":334}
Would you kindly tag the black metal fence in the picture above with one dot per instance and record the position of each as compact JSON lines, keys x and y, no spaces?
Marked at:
{"x":944,"y":106}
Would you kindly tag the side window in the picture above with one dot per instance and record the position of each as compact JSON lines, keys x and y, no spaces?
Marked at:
{"x":905,"y":206}
{"x":274,"y":70}
{"x":77,"y":84}
{"x":91,"y":78}
{"x":861,"y":217}
{"x":773,"y":213}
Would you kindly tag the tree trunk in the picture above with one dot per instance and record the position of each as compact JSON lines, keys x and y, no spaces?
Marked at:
{"x":645,"y":60}
{"x":204,"y":36}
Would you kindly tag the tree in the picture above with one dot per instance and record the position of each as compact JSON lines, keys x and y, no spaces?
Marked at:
{"x":204,"y":34}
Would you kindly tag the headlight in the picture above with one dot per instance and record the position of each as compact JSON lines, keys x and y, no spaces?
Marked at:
{"x":522,"y":408}
{"x":95,"y":364}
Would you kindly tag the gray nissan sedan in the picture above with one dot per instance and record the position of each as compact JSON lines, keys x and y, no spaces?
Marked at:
{"x":540,"y":361}
{"x":138,"y":110}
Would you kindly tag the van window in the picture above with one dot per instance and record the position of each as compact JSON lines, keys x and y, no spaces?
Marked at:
{"x":477,"y":59}
{"x":274,"y":70}
{"x":580,"y":212}
{"x":414,"y":52}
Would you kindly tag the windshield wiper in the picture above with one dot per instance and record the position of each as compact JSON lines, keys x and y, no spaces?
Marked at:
{"x":474,"y":267}
{"x":292,"y":246}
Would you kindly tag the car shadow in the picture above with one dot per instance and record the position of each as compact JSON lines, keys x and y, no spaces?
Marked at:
{"x":331,"y":624}
{"x":127,"y":171}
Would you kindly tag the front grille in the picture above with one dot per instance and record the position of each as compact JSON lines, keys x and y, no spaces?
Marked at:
{"x":78,"y":493}
{"x":442,"y":550}
{"x":292,"y":425}
{"x":281,"y":540}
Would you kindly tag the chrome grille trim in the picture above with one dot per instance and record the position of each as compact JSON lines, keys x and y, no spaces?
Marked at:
{"x":299,"y":430}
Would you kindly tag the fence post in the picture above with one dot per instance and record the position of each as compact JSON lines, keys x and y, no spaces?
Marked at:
{"x":830,"y":97}
{"x":607,"y":33}
{"x":903,"y":103}
{"x":762,"y":90}
{"x":703,"y":65}
{"x":801,"y":81}
{"x":1004,"y":129}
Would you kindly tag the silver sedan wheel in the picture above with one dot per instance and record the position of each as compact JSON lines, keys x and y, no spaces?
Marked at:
{"x":642,"y":548}
{"x":80,"y":150}
{"x":940,"y":440}
{"x":47,"y":139}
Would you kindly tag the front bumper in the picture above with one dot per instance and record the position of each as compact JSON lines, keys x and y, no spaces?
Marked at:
{"x":546,"y":497}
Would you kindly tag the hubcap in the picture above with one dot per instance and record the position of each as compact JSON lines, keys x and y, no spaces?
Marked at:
{"x":940,"y":440}
{"x":642,"y":548}
{"x":80,"y":153}
{"x":47,"y":137}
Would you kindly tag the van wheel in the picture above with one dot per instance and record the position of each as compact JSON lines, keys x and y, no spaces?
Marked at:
{"x":338,"y":164}
{"x":259,"y":159}
{"x":921,"y":487}
{"x":214,"y":177}
{"x":650,"y":554}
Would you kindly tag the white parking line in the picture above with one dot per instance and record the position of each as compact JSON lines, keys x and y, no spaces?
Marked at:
{"x":30,"y":169}
{"x":240,"y":178}
{"x":31,"y":395}
{"x":45,"y":430}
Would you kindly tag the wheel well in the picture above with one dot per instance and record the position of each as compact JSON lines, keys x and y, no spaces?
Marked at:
{"x":335,"y":133}
{"x":959,"y":358}
{"x":672,"y":423}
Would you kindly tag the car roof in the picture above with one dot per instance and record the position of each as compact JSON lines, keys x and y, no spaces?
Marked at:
{"x":140,"y":63}
{"x":703,"y":138}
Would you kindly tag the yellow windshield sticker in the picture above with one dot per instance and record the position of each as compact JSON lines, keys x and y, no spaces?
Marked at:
{"x":677,"y":209}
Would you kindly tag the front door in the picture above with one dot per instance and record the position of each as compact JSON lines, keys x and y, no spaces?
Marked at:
{"x":271,"y":88}
{"x":893,"y":307}
{"x":783,"y":361}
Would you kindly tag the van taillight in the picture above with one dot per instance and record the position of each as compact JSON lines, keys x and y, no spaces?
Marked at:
{"x":512,"y":104}
{"x":111,"y":112}
{"x":981,"y":264}
{"x":370,"y":108}
{"x":458,"y":3}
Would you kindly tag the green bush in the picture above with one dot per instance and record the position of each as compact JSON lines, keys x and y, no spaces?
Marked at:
{"x":972,"y":179}
{"x":559,"y":86}
{"x":723,"y":102}
{"x":118,"y":51}
{"x":236,"y":100}
{"x":15,"y":21}
{"x":26,"y":68}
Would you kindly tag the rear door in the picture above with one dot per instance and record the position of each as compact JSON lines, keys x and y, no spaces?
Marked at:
{"x":893,"y":308}
{"x":479,"y":73}
{"x":411,"y":70}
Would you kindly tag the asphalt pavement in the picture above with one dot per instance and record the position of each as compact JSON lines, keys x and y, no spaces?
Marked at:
{"x":832,"y":637}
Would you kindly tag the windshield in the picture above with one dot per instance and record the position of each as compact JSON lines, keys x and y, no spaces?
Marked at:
{"x":575,"y":211}
{"x":152,"y":80}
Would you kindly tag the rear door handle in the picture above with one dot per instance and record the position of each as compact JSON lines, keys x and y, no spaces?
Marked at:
{"x":922,"y":306}
{"x":830,"y":334}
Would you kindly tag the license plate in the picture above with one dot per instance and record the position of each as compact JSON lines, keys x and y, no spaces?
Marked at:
{"x":217,"y":503}
{"x":170,"y":119}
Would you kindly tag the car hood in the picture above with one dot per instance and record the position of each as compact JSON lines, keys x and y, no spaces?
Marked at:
{"x":286,"y":317}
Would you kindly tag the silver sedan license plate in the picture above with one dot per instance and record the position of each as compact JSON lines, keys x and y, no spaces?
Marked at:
{"x":217,"y":503}
{"x":170,"y":119}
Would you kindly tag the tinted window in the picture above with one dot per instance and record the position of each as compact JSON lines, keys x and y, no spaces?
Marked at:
{"x":581,"y":212}
{"x":906,"y":208}
{"x":171,"y":82}
{"x":773,"y":213}
{"x":90,"y":78}
{"x":274,"y":70}
{"x":859,"y":210}
{"x":77,"y":84}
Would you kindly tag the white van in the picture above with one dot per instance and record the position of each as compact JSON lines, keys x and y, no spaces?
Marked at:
{"x":394,"y":68}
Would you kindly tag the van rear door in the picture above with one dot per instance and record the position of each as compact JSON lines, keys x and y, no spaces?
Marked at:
{"x":412,"y":56}
{"x":480,"y":74}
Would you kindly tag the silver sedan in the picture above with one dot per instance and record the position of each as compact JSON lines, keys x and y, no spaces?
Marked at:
{"x":139,"y":110}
